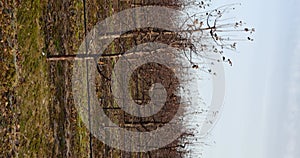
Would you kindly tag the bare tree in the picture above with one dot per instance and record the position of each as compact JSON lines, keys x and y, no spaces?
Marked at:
{"x":205,"y":31}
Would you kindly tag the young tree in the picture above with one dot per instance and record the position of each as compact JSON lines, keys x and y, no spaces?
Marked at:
{"x":203,"y":32}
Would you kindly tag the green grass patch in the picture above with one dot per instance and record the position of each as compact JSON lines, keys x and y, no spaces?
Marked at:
{"x":33,"y":90}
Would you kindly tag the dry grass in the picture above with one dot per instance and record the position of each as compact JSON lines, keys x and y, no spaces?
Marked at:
{"x":37,"y":115}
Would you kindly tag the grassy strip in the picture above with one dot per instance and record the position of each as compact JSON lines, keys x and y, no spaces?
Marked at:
{"x":33,"y":89}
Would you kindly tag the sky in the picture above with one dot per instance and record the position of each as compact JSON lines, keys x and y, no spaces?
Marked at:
{"x":261,"y":111}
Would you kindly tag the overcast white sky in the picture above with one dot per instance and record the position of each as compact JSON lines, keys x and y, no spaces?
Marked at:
{"x":261,"y":114}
